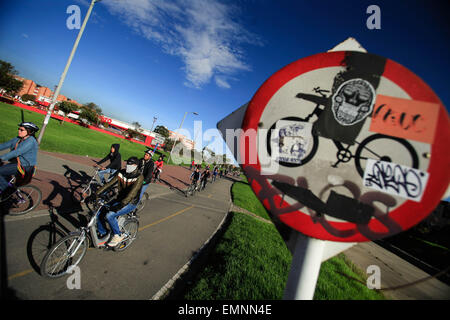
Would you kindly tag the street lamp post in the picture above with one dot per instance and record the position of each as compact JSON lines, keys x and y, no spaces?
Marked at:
{"x":63,"y":75}
{"x":176,"y":140}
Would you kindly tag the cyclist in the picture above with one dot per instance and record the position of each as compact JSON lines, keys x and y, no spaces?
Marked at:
{"x":115,"y":163}
{"x":195,"y":176}
{"x":204,"y":179}
{"x":147,"y":165}
{"x":129,"y":186}
{"x":215,"y":172}
{"x":23,"y":153}
{"x":158,"y":167}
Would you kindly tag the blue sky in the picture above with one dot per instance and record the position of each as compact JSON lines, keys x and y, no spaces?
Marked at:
{"x":143,"y":58}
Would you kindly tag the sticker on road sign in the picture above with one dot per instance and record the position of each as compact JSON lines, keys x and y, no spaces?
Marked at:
{"x":395,"y":179}
{"x":405,"y":118}
{"x":290,"y":140}
{"x":337,"y":95}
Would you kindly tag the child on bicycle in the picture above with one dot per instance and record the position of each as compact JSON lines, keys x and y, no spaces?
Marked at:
{"x":158,"y":168}
{"x":129,"y":182}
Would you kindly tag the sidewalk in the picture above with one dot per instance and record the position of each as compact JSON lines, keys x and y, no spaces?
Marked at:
{"x":397,"y":272}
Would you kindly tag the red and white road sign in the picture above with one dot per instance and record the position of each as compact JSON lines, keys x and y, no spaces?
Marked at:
{"x":348,"y":147}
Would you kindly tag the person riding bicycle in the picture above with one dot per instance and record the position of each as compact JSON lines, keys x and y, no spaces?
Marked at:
{"x":115,"y":163}
{"x":23,"y":154}
{"x":215,"y":173}
{"x":158,"y":167}
{"x":195,"y":176}
{"x":129,"y":186}
{"x":147,"y":165}
{"x":204,"y":178}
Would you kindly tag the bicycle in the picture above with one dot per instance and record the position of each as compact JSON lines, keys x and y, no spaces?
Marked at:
{"x":156,"y":174}
{"x":21,"y":197}
{"x":92,"y":185}
{"x":194,"y":186}
{"x":364,"y":150}
{"x":68,"y":252}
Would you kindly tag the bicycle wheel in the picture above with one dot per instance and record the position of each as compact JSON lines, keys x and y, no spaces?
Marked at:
{"x":24,"y":199}
{"x":142,"y":202}
{"x":189,"y":191}
{"x":65,"y":253}
{"x":130,"y":228}
{"x":375,"y":146}
{"x":40,"y":242}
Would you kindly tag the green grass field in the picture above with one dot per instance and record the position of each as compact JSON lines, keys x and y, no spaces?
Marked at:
{"x":66,"y":138}
{"x":251,"y":262}
{"x":244,"y":197}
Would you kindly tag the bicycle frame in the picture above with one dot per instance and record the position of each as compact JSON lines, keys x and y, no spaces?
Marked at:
{"x":94,"y":178}
{"x":92,"y":226}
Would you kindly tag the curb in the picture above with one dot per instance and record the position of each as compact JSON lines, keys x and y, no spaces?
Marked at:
{"x":170,"y":284}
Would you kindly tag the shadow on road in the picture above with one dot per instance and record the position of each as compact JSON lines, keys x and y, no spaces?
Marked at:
{"x":62,"y":203}
{"x":6,"y":293}
{"x":45,"y":236}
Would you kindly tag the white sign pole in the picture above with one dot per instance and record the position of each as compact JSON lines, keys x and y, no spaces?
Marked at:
{"x":305,"y":269}
{"x":309,"y":252}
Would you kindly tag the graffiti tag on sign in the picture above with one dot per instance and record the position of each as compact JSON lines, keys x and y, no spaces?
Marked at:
{"x":403,"y":118}
{"x":395,"y":179}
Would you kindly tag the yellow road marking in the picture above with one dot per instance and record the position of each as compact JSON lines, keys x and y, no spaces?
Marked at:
{"x":166,"y":218}
{"x":20,"y":274}
{"x":24,"y":273}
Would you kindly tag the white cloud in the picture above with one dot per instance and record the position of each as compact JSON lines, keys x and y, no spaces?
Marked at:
{"x":203,"y":33}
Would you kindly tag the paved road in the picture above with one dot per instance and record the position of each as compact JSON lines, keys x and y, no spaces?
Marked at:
{"x":172,"y":229}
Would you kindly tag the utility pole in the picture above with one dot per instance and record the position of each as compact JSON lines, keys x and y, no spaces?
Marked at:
{"x":153,"y":124}
{"x":63,"y":76}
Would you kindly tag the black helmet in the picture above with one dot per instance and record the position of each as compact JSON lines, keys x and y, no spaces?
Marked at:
{"x":132,"y":160}
{"x":149,"y":151}
{"x":30,"y":126}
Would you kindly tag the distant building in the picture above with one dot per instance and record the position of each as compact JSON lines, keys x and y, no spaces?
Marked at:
{"x":189,"y":144}
{"x":151,"y":138}
{"x":43,"y":94}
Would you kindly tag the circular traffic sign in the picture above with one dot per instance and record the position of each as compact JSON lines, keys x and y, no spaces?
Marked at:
{"x":346,"y":146}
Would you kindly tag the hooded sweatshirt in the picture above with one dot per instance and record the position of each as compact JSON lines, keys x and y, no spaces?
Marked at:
{"x":115,"y":159}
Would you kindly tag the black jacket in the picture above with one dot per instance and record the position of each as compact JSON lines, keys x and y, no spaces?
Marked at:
{"x":115,"y":160}
{"x":147,"y":170}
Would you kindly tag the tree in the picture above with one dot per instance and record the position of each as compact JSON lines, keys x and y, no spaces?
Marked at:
{"x":137,"y":126}
{"x":28,"y":97}
{"x":94,"y":107}
{"x":67,"y":107}
{"x":7,"y":80}
{"x":162,"y":131}
{"x":88,"y":114}
{"x":91,"y":112}
{"x":169,"y":144}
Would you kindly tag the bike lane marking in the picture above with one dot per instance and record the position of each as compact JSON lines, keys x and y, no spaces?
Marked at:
{"x":28,"y":271}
